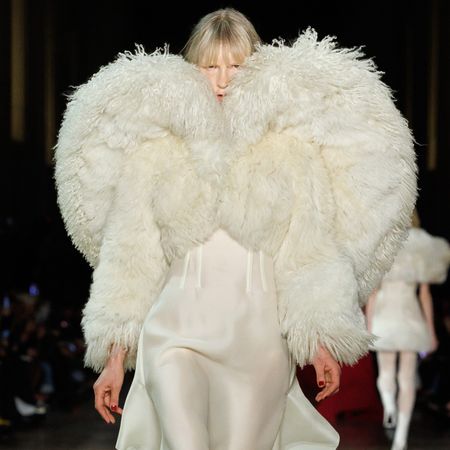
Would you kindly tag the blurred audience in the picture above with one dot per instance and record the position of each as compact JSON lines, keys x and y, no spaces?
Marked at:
{"x":41,"y":358}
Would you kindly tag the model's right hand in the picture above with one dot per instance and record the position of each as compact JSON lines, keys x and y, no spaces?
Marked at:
{"x":107,"y":389}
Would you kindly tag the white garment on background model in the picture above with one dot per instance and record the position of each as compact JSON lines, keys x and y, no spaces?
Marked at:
{"x":400,"y":326}
{"x":213,"y":371}
{"x":398,"y":321}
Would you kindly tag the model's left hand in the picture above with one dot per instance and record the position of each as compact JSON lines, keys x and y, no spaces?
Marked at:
{"x":328,"y":373}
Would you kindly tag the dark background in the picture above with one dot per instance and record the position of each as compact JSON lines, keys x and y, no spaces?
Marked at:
{"x":62,"y":43}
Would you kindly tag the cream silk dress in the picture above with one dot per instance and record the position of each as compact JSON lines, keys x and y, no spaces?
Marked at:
{"x":213,"y":371}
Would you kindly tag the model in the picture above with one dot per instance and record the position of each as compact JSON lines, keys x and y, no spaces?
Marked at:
{"x":238,"y":205}
{"x":404,"y":326}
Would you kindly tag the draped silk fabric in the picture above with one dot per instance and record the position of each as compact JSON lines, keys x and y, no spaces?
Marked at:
{"x":213,"y":371}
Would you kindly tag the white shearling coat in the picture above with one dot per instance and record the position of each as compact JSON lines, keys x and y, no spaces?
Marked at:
{"x":307,"y":159}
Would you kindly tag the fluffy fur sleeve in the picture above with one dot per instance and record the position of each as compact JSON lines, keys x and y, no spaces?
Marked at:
{"x":423,"y":259}
{"x":131,"y":267}
{"x":316,"y":280}
{"x":332,"y":99}
{"x":112,"y":126}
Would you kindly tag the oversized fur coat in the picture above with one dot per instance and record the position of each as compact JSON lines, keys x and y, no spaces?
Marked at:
{"x":307,"y":159}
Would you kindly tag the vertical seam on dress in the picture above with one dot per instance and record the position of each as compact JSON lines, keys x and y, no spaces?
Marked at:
{"x":249,"y":271}
{"x":262,"y":271}
{"x":199,"y":269}
{"x":185,"y":269}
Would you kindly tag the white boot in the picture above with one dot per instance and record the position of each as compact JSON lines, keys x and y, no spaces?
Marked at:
{"x":401,"y":432}
{"x":389,"y":406}
{"x":387,"y":387}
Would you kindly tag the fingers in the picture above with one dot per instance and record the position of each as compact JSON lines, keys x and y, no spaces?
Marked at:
{"x":106,"y":390}
{"x":102,"y":399}
{"x":107,"y":400}
{"x":328,"y":373}
{"x":332,"y":382}
{"x":113,"y":401}
{"x":320,"y":375}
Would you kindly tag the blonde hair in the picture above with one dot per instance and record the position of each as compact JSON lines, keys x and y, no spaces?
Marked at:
{"x":226,"y":28}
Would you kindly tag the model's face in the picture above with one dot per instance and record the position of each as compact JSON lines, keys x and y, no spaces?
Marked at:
{"x":221,"y":72}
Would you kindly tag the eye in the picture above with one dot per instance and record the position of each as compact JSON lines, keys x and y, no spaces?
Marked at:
{"x":236,"y":66}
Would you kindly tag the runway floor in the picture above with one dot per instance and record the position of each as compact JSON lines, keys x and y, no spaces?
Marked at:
{"x":83,"y":429}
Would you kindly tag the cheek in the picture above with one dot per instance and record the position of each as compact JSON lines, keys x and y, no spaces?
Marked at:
{"x":212,"y":79}
{"x":210,"y":76}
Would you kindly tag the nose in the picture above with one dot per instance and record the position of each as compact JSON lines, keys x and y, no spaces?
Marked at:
{"x":223,"y":79}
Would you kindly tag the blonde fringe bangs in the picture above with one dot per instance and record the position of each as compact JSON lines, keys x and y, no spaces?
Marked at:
{"x":226,"y":31}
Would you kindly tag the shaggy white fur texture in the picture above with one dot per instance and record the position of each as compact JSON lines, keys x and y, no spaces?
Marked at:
{"x":307,"y":158}
{"x":422,"y":259}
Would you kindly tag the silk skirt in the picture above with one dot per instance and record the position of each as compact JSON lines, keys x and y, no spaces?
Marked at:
{"x":213,"y":371}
